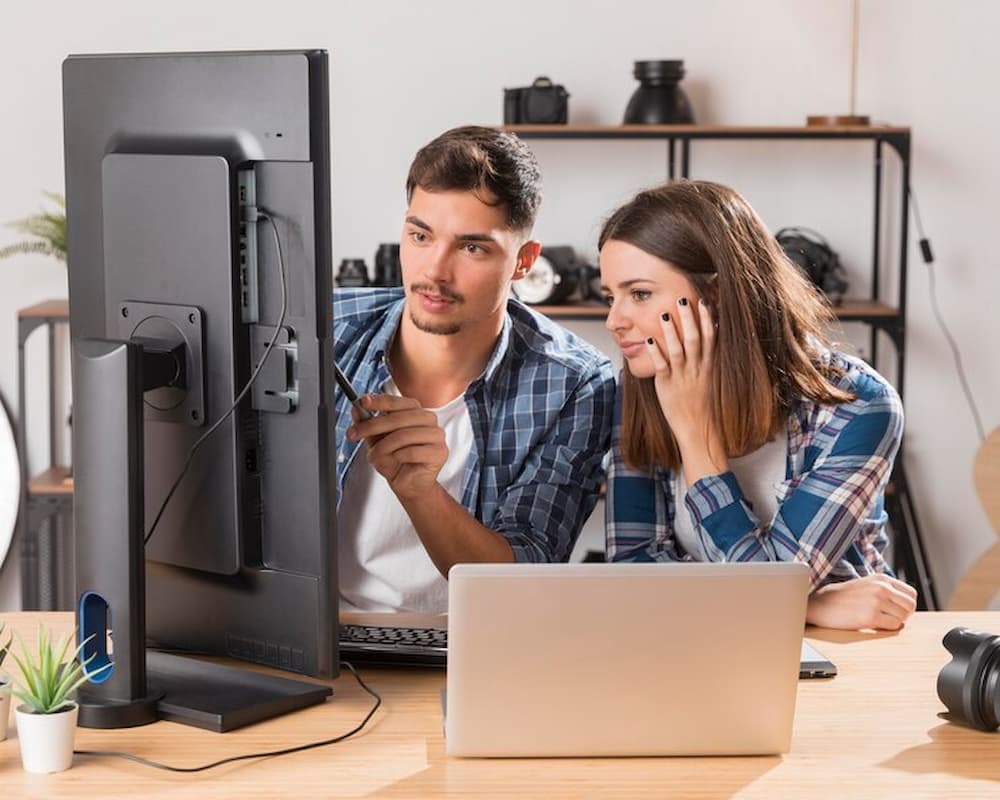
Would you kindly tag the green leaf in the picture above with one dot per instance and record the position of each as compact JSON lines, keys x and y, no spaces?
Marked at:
{"x":48,"y":227}
{"x":49,"y":679}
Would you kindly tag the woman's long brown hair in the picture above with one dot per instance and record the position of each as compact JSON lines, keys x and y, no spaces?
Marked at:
{"x":770,"y":319}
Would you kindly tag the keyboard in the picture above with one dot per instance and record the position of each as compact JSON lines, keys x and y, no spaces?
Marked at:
{"x":394,"y":646}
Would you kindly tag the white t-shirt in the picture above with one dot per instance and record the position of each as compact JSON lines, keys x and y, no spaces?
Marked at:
{"x":383,"y":565}
{"x":759,"y":475}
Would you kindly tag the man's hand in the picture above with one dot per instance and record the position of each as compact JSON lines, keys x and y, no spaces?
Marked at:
{"x":874,"y":601}
{"x":405,"y":443}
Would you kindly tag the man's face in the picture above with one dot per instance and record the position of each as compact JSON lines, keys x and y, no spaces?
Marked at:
{"x":458,"y":258}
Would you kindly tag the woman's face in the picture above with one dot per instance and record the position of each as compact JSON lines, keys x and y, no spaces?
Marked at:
{"x":639,"y":288}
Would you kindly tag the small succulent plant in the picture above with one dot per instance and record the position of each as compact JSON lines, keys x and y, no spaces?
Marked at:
{"x":48,"y":681}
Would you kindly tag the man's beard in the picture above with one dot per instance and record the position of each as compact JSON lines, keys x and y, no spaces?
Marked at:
{"x":440,"y":328}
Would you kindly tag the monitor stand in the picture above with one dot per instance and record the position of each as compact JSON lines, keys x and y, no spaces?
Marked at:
{"x":221,"y":698}
{"x":126,"y":681}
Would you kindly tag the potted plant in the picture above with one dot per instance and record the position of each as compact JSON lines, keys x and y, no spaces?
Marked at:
{"x":46,"y":719}
{"x":48,"y":229}
{"x":4,"y":685}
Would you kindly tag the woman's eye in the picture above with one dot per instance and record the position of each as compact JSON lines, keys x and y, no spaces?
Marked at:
{"x":641,"y":295}
{"x":608,"y":300}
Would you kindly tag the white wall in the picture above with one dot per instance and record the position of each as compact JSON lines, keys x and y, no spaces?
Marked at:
{"x":403,"y":72}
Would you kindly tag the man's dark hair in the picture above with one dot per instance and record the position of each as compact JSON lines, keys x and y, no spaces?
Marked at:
{"x":474,"y":158}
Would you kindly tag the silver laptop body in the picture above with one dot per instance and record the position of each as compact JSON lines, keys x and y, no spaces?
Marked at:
{"x":623,"y":659}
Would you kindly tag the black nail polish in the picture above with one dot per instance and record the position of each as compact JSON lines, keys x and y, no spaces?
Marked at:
{"x":665,"y":316}
{"x":649,"y":340}
{"x":683,"y":301}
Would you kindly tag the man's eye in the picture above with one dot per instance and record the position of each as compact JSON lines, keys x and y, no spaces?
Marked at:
{"x":418,"y":236}
{"x":475,"y":249}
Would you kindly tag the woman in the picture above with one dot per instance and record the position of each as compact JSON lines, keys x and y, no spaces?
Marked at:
{"x":740,"y":435}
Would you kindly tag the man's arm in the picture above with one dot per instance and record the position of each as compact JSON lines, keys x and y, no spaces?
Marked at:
{"x":537,"y":514}
{"x":407,"y":447}
{"x":450,"y":534}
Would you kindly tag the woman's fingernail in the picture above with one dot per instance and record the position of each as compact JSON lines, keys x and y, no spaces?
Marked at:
{"x":649,"y":340}
{"x":683,"y":301}
{"x":665,"y":316}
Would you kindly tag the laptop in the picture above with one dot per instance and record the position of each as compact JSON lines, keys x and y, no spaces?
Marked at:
{"x":623,"y":659}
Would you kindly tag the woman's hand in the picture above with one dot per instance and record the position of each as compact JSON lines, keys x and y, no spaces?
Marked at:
{"x":683,"y":387}
{"x":874,"y":601}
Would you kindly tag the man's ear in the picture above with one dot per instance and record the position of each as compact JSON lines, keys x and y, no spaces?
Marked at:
{"x":526,"y":257}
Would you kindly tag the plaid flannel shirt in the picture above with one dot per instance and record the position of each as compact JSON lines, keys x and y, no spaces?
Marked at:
{"x":830,"y":511}
{"x":540,"y":413}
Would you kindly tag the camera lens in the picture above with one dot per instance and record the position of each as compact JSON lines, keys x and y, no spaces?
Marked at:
{"x":968,"y":684}
{"x":656,"y":73}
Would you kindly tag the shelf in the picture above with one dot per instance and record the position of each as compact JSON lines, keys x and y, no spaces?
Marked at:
{"x":707,"y":131}
{"x":50,"y":309}
{"x":849,"y":311}
{"x":53,"y":481}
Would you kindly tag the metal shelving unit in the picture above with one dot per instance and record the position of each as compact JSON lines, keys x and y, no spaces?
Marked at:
{"x":880,"y":313}
{"x":45,"y":516}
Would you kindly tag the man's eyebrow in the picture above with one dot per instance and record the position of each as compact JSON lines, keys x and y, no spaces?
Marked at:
{"x":475,"y":237}
{"x":419,"y":223}
{"x":626,"y":284}
{"x":462,"y":237}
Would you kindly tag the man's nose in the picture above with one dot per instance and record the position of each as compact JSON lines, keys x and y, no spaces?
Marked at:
{"x":438,"y":266}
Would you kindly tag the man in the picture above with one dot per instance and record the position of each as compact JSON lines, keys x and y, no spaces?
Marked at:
{"x":489,"y":421}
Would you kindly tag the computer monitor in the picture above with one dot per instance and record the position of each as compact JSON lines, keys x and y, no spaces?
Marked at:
{"x":198,"y":209}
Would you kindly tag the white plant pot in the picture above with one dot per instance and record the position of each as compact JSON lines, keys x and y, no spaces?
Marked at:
{"x":4,"y":708}
{"x":46,"y":739}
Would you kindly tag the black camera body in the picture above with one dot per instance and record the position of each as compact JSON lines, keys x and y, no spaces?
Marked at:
{"x":544,"y":102}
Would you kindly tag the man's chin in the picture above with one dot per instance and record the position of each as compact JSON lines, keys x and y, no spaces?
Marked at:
{"x":436,"y":327}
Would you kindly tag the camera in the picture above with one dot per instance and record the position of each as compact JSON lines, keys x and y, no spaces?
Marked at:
{"x":556,"y":274}
{"x":543,"y":102}
{"x":969,"y":684}
{"x":814,"y":257}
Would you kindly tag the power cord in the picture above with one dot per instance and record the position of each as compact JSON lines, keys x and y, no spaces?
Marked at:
{"x":928,"y":257}
{"x":268,"y":754}
{"x":256,"y":214}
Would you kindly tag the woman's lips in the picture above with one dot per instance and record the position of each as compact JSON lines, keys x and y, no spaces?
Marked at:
{"x":632,"y":349}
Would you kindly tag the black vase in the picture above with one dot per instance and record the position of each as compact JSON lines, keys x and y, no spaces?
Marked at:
{"x":659,"y":100}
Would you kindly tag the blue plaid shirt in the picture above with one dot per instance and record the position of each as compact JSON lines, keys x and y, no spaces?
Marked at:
{"x":830,"y":513}
{"x":540,"y":413}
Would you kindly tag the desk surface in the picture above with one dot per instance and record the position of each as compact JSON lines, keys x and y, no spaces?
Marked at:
{"x":874,"y":731}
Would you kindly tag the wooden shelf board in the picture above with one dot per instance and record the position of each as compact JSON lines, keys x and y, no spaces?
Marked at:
{"x":53,"y":309}
{"x":54,"y":480}
{"x":722,"y":131}
{"x":850,"y":309}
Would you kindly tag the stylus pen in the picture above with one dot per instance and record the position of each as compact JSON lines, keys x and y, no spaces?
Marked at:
{"x":349,"y":393}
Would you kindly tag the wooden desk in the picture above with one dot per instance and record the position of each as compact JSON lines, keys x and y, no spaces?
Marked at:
{"x":873,"y":731}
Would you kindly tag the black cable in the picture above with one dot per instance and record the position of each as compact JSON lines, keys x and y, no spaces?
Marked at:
{"x":266,"y":216}
{"x":268,"y":754}
{"x":928,"y":257}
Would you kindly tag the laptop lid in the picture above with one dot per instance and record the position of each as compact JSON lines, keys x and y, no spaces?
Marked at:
{"x":623,"y":659}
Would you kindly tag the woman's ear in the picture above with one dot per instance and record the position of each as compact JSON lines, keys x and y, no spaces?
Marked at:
{"x":710,"y":293}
